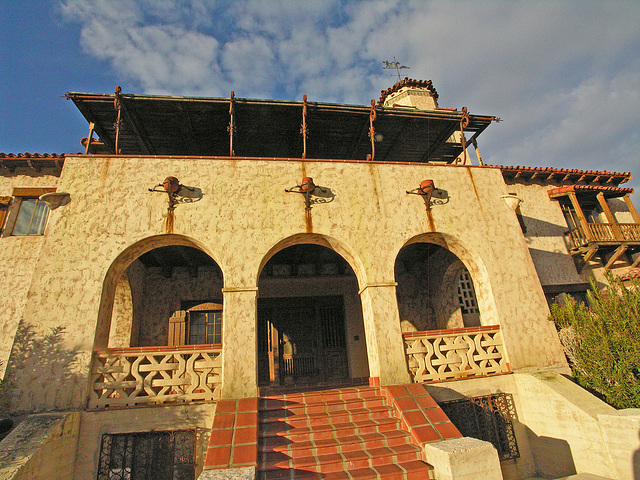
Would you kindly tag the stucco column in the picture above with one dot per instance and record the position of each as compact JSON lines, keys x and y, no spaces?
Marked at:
{"x":239,"y":343}
{"x":385,"y":347}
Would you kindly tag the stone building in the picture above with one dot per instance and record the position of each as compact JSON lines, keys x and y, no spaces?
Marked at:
{"x":235,"y":288}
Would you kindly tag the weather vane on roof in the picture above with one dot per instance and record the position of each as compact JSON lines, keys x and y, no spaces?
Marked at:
{"x":394,"y":65}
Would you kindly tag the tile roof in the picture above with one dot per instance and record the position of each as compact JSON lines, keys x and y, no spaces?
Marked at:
{"x":563,"y":176}
{"x":408,"y":82}
{"x":35,"y":161}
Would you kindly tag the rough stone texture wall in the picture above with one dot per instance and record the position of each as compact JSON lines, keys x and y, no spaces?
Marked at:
{"x":18,"y":257}
{"x":122,"y":317}
{"x":40,"y":447}
{"x":94,"y":424}
{"x":243,"y":217}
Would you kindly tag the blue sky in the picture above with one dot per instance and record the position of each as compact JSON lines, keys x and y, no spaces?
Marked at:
{"x":563,"y":75}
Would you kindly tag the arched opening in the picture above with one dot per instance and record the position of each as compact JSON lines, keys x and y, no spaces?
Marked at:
{"x":161,"y":291}
{"x":310,"y":324}
{"x":435,"y":290}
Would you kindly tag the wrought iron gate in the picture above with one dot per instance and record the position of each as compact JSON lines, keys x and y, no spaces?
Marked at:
{"x":489,"y":418}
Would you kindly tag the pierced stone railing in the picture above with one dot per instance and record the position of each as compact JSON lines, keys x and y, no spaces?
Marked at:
{"x":155,"y":375}
{"x":438,"y":355}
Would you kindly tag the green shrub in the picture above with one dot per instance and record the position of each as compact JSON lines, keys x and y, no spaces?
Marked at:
{"x":602,"y":341}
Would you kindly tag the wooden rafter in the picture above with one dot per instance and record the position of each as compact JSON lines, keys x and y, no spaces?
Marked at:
{"x":619,"y":251}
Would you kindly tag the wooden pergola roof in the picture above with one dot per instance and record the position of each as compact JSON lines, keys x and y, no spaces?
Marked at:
{"x":198,"y":126}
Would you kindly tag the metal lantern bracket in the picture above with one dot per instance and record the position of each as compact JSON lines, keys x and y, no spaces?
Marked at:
{"x":310,"y":189}
{"x":430,"y":194}
{"x":177,"y":193}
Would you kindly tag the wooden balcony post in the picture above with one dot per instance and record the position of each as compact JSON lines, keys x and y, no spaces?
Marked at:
{"x":632,"y":209}
{"x":617,"y":233}
{"x":583,"y":220}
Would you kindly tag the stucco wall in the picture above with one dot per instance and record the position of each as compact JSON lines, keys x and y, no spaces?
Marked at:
{"x":18,"y":257}
{"x":245,"y":212}
{"x":546,"y":225}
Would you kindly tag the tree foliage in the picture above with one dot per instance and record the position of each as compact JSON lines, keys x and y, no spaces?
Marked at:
{"x":602,"y":341}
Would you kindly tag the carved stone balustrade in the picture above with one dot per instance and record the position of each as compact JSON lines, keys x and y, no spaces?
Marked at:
{"x":155,"y":375}
{"x":438,"y":355}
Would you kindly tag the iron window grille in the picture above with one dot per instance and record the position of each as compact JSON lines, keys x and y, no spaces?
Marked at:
{"x":489,"y":418}
{"x":466,"y":294}
{"x":168,"y":455}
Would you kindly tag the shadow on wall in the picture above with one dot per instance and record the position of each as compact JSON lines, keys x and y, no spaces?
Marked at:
{"x":636,"y":463}
{"x":552,"y":456}
{"x":540,"y":228}
{"x":42,"y":374}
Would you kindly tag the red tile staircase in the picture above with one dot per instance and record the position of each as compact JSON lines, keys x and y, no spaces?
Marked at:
{"x":338,"y":434}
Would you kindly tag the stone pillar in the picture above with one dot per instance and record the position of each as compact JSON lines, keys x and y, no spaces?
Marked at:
{"x":385,"y":348}
{"x":239,"y":343}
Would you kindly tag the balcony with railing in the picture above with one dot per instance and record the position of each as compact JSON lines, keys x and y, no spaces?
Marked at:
{"x":603,"y":233}
{"x":123,"y":377}
{"x":438,"y":355}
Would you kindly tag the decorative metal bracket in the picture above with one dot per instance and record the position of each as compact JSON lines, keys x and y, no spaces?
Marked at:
{"x":304,"y":131}
{"x":117,"y":104}
{"x":428,"y":191}
{"x":177,"y":193}
{"x":232,"y":122}
{"x":372,"y":132}
{"x":464,"y":123}
{"x":308,"y":189}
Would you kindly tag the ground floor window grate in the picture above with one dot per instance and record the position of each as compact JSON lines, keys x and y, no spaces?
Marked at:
{"x":148,"y":456}
{"x":489,"y":418}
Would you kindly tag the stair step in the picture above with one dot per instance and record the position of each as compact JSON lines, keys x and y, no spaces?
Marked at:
{"x":324,"y":431}
{"x":335,"y":435}
{"x":332,"y":445}
{"x":274,"y":408}
{"x":335,"y":416}
{"x":339,"y":461}
{"x":413,"y":470}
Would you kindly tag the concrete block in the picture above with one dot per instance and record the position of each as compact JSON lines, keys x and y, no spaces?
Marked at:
{"x":242,"y":473}
{"x":463,"y":459}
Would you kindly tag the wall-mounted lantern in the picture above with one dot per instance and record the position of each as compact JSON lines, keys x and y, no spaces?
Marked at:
{"x":425,"y":190}
{"x":177,"y":193}
{"x":308,"y":189}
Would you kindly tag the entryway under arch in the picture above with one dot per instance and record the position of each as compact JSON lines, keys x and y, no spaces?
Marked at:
{"x":435,"y":290}
{"x":157,"y":293}
{"x":310,"y":326}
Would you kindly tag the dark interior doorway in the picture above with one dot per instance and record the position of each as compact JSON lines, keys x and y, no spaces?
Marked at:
{"x":302,"y":341}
